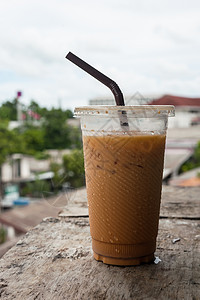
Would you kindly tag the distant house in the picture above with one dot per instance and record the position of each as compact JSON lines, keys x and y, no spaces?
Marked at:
{"x":135,"y":99}
{"x":74,"y":122}
{"x":189,"y":104}
{"x":20,"y":167}
{"x":140,"y":99}
{"x":15,"y":168}
{"x":102,"y":101}
{"x":187,"y":109}
{"x":15,"y":124}
{"x":195,"y":121}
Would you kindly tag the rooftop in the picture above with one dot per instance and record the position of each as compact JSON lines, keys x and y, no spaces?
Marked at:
{"x":176,"y":101}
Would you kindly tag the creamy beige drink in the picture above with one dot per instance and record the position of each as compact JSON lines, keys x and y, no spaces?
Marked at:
{"x":124,"y":178}
{"x":124,"y":153}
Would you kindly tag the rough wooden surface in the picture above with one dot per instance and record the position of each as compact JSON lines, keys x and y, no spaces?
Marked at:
{"x":8,"y":244}
{"x":180,"y":202}
{"x":54,"y":261}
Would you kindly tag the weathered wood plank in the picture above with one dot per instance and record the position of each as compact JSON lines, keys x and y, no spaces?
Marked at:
{"x":180,"y":202}
{"x":8,"y":244}
{"x":54,"y":261}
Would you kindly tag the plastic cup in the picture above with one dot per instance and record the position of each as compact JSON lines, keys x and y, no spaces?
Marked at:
{"x":124,"y":169}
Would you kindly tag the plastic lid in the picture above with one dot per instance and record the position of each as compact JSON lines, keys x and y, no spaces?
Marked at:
{"x":135,"y":111}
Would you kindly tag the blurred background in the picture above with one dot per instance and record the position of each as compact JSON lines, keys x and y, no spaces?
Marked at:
{"x":150,"y":48}
{"x":145,"y":46}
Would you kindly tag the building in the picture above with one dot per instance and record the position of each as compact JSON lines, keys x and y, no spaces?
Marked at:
{"x":135,"y":99}
{"x":21,"y":168}
{"x":187,"y":110}
{"x":187,"y":104}
{"x":102,"y":101}
{"x":16,"y":167}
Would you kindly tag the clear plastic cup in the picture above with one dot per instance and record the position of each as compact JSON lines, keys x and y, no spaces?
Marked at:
{"x":124,"y":155}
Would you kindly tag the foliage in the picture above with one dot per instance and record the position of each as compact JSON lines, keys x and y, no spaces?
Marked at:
{"x":2,"y":235}
{"x":34,"y":106}
{"x":75,"y":138}
{"x":73,"y":164}
{"x":56,"y":130}
{"x":43,"y":129}
{"x":37,"y":189}
{"x":41,"y":155}
{"x":197,"y":153}
{"x":69,"y":114}
{"x":194,"y":161}
{"x":58,"y":178}
{"x":10,"y":142}
{"x":34,"y":137}
{"x":8,"y":110}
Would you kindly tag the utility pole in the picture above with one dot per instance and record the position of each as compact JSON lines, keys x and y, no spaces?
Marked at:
{"x":19,"y":111}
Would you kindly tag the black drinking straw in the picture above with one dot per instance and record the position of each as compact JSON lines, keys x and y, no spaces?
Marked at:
{"x":99,"y":76}
{"x":119,"y":99}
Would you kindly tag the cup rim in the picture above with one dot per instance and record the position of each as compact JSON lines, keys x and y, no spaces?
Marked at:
{"x":131,"y":110}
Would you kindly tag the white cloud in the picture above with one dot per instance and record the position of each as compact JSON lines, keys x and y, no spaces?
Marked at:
{"x":147,"y":46}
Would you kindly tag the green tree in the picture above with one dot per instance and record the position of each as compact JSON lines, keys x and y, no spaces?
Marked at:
{"x":59,"y":177}
{"x":194,"y":161}
{"x":10,"y":142}
{"x":69,"y":114}
{"x":2,"y":235}
{"x":8,"y":110}
{"x":75,"y":138}
{"x":73,"y":164}
{"x":34,"y":139}
{"x":34,"y":106}
{"x":197,"y":153}
{"x":37,"y":188}
{"x":54,"y":133}
{"x":56,"y":130}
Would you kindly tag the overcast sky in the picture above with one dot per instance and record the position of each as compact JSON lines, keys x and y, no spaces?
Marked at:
{"x":150,"y":46}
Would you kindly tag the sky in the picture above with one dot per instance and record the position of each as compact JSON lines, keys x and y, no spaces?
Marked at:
{"x":146,"y":46}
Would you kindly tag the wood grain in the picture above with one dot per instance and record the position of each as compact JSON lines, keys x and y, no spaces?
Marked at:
{"x":54,"y":260}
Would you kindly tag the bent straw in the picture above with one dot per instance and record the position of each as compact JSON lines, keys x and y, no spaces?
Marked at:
{"x":99,"y":76}
{"x":119,"y":99}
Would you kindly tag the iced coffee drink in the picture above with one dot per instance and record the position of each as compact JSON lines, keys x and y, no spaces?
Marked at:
{"x":124,"y":168}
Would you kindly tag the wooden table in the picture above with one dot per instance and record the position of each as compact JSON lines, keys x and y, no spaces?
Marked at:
{"x":54,"y":260}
